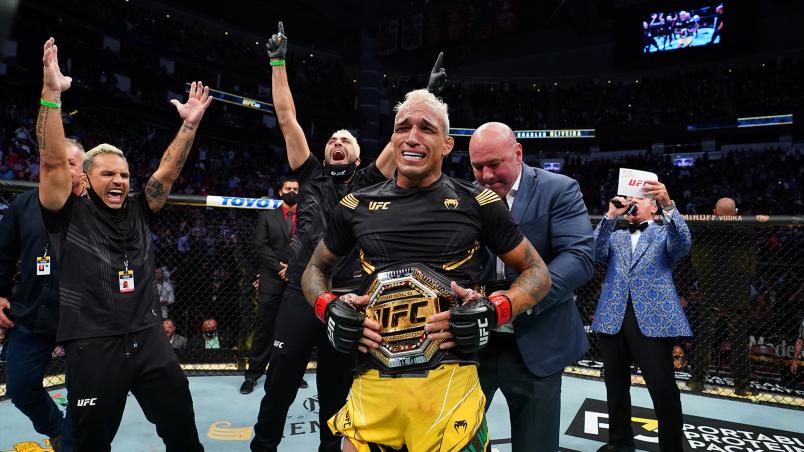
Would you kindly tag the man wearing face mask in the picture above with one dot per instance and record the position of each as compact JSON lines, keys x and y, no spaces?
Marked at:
{"x":211,"y":338}
{"x":297,"y":328}
{"x":109,"y":323}
{"x":34,"y":306}
{"x":639,"y":314}
{"x":275,"y":228}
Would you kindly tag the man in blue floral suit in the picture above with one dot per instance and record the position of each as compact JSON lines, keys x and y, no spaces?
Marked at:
{"x":639,"y":315}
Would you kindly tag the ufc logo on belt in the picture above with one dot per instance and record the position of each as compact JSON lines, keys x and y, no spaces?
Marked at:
{"x":484,"y":332}
{"x":87,"y":402}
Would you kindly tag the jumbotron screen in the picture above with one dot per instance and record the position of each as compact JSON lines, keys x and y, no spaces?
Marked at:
{"x":675,"y":29}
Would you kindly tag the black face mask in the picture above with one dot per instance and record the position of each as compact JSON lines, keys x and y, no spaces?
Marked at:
{"x":96,"y":199}
{"x":290,"y":198}
{"x":209,"y":334}
{"x":341,"y":173}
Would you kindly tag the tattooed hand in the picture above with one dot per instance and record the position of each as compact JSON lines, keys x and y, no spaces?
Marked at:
{"x":193,"y":110}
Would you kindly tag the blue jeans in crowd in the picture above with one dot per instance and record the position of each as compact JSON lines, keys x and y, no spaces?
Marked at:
{"x":29,"y":355}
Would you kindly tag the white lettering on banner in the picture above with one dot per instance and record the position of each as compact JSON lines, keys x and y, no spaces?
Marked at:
{"x":711,"y":438}
{"x":647,"y":439}
{"x":243,"y":203}
{"x":591,"y":422}
{"x":700,"y":434}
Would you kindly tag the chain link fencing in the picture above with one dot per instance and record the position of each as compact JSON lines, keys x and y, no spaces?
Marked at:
{"x":741,"y":288}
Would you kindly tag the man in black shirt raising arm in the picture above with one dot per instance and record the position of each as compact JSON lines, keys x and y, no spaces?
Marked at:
{"x":108,"y":315}
{"x":297,"y":329}
{"x":424,"y":225}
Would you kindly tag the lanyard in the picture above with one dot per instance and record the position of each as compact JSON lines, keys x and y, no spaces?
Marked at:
{"x":124,"y":233}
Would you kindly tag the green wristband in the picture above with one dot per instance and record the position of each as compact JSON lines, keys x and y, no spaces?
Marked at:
{"x":49,"y":104}
{"x":277,"y":62}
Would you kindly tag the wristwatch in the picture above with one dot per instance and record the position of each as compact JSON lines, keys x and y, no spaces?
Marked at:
{"x":669,"y":208}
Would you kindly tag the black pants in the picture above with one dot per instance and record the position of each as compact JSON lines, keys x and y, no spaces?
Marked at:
{"x":102,"y":371}
{"x":714,"y":36}
{"x":263,"y":340}
{"x":654,"y":356}
{"x":534,"y":403}
{"x":297,"y":331}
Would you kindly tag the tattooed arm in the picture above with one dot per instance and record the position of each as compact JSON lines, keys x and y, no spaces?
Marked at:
{"x":316,"y":277}
{"x":55,"y":182}
{"x":533,"y":282}
{"x":158,"y":187}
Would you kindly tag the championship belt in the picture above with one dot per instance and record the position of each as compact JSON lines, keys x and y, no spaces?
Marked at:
{"x":401,"y":299}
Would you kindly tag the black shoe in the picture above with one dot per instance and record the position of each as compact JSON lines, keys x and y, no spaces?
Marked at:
{"x":303,"y":384}
{"x":613,"y":448}
{"x":248,"y":386}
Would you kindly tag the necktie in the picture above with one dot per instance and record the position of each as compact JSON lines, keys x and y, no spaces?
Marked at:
{"x":634,"y":227}
{"x":289,"y":222}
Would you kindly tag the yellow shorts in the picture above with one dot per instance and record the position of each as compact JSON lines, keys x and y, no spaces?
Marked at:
{"x":443,"y":411}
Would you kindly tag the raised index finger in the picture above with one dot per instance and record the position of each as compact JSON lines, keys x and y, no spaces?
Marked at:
{"x":281,"y":28}
{"x":440,"y":58}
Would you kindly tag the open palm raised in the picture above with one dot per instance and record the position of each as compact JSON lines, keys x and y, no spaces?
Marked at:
{"x":53,"y":79}
{"x":197,"y":102}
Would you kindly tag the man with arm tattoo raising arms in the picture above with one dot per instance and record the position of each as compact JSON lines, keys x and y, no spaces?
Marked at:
{"x":297,"y":329}
{"x":109,"y":323}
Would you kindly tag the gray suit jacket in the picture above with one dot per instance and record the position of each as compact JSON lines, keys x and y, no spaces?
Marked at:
{"x":179,"y":342}
{"x":550,"y":211}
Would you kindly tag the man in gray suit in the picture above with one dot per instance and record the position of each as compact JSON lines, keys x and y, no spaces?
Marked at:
{"x":177,"y":341}
{"x":525,"y":361}
{"x":272,"y":236}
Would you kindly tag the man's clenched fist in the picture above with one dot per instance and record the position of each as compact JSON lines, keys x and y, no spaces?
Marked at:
{"x":277,"y":46}
{"x":471,"y":323}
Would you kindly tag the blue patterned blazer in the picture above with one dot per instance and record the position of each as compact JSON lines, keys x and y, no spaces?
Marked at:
{"x":646,"y":274}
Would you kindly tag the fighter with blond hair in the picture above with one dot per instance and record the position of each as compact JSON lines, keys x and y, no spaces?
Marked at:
{"x":297,"y":330}
{"x":421,"y":392}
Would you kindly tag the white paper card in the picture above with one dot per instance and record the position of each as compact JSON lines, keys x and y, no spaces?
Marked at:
{"x":631,"y":182}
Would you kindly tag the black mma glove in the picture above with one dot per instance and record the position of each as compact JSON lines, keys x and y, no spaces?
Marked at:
{"x":277,"y":46}
{"x":438,"y":77}
{"x":471,"y":323}
{"x":344,"y":322}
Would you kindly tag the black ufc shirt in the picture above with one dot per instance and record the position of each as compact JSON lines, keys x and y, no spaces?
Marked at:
{"x":88,"y":243}
{"x":445,"y":226}
{"x":318,"y":197}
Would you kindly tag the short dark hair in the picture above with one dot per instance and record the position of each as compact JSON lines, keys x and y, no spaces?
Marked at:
{"x":286,"y":180}
{"x":75,"y":143}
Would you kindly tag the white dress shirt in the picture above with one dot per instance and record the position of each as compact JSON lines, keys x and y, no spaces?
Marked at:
{"x":509,"y":198}
{"x":636,"y":234}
